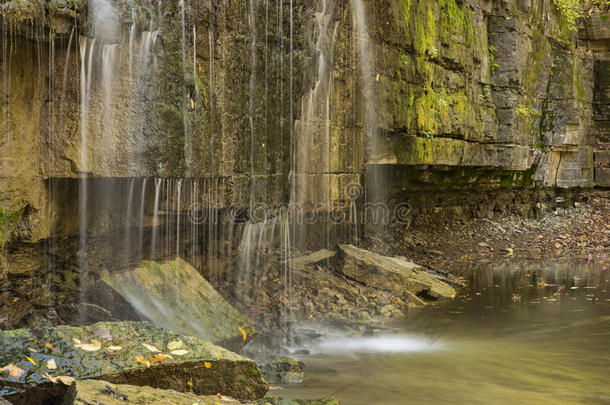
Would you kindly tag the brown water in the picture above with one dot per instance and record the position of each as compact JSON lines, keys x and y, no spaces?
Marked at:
{"x":551,"y":345}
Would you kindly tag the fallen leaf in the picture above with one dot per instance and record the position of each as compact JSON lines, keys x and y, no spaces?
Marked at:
{"x":31,"y":360}
{"x":66,"y":380}
{"x":114,"y":348}
{"x":150,"y":347}
{"x":179,"y":352}
{"x":158,"y":358}
{"x":51,"y":364}
{"x":207,"y":364}
{"x":174,"y":345}
{"x":243,"y":333}
{"x":77,"y":341}
{"x":50,"y":347}
{"x":141,"y":359}
{"x":90,"y":347}
{"x":13,"y":370}
{"x":50,"y":377}
{"x":31,"y":349}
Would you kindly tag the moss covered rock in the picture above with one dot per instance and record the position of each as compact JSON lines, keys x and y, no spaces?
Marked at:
{"x":174,"y":295}
{"x":135,"y":353}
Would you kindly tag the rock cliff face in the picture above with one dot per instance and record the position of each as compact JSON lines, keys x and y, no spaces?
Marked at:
{"x":294,"y":100}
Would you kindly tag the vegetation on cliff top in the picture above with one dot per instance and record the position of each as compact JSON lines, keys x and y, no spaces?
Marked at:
{"x":573,"y":9}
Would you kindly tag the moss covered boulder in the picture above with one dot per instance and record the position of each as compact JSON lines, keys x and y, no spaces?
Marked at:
{"x":174,"y":295}
{"x":135,"y":353}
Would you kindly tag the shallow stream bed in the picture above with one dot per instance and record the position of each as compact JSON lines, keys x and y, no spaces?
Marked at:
{"x":518,"y":333}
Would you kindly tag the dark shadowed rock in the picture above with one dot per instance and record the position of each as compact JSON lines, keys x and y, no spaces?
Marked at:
{"x":135,"y":353}
{"x":174,"y":295}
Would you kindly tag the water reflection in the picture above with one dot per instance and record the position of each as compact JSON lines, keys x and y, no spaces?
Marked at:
{"x":519,"y":333}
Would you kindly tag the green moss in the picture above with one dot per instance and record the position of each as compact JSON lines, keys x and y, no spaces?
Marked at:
{"x":8,"y":222}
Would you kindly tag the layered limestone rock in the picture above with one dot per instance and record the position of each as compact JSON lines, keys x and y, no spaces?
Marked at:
{"x":123,"y":353}
{"x":94,"y":391}
{"x":175,"y":296}
{"x":395,"y":274}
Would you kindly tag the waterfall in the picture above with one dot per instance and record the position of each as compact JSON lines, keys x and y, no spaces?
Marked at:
{"x":128,"y":219}
{"x":251,"y":112}
{"x":132,"y":38}
{"x":313,"y":129}
{"x":178,"y":199}
{"x":153,"y":244}
{"x":85,"y":89}
{"x":141,"y":222}
{"x":107,"y":82}
{"x":367,"y":76}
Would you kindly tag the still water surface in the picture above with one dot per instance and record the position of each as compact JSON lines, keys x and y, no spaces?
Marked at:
{"x":535,"y":333}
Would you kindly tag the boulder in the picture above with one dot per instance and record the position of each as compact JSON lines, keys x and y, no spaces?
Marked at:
{"x":395,"y":274}
{"x":174,"y":295}
{"x":87,"y":392}
{"x":135,"y":353}
{"x":282,"y":369}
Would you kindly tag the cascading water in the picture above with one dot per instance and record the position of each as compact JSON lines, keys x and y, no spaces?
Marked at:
{"x":313,"y":129}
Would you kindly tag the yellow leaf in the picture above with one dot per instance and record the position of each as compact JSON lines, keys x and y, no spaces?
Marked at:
{"x":96,"y":342}
{"x":243,"y":333}
{"x":31,"y":360}
{"x":174,"y":345}
{"x":51,"y":364}
{"x":114,"y":348}
{"x":13,"y":370}
{"x":77,"y":341}
{"x":179,"y":352}
{"x":207,"y":364}
{"x":150,"y":347}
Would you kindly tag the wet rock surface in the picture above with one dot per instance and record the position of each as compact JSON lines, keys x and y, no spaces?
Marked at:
{"x":174,"y":295}
{"x":123,"y":352}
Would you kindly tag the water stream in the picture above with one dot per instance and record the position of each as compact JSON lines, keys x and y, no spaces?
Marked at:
{"x":519,"y":333}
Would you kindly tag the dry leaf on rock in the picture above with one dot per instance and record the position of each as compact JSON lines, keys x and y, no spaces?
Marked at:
{"x":150,"y":347}
{"x":50,"y":347}
{"x":90,"y":347}
{"x":179,"y":352}
{"x":13,"y":370}
{"x":51,"y":364}
{"x":174,"y":345}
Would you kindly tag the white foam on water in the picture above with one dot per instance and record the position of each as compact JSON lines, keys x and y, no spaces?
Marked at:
{"x":376,"y":344}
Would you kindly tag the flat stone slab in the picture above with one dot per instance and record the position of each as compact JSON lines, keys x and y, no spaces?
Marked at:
{"x":88,"y":392}
{"x":174,"y":295}
{"x":395,"y":274}
{"x":135,"y":353}
{"x":302,"y":261}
